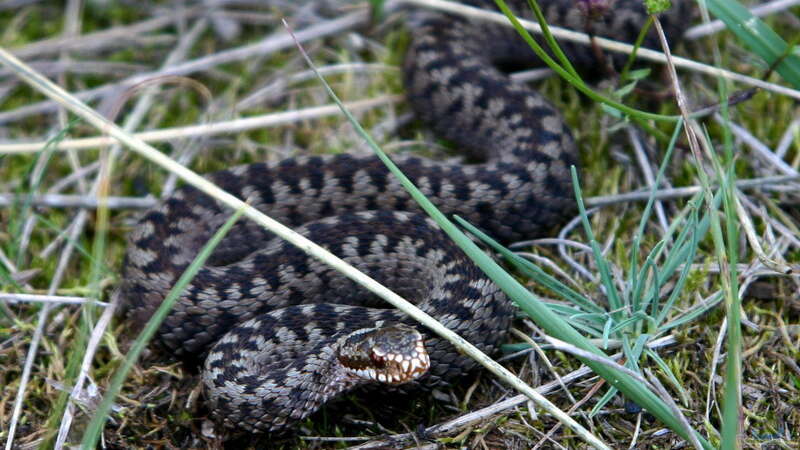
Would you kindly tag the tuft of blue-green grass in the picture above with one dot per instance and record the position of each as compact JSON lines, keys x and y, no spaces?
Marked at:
{"x":551,"y":322}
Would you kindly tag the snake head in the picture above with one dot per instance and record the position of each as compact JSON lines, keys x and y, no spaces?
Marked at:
{"x":391,"y":354}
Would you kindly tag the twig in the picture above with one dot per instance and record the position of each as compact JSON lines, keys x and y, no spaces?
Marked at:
{"x":551,"y":241}
{"x":543,"y":356}
{"x":553,"y":266}
{"x":334,"y":438}
{"x":74,"y":177}
{"x":562,"y":248}
{"x":524,"y":76}
{"x":279,"y":86}
{"x":558,"y":344}
{"x":54,"y":243}
{"x":52,"y":68}
{"x":588,"y":395}
{"x":233,"y":126}
{"x":13,"y":272}
{"x":778,"y":220}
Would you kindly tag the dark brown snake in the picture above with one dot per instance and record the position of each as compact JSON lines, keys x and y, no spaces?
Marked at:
{"x":284,"y":333}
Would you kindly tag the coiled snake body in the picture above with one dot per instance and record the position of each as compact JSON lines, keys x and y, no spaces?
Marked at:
{"x":283,"y":332}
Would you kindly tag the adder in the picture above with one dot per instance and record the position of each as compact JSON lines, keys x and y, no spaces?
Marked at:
{"x":281,"y":332}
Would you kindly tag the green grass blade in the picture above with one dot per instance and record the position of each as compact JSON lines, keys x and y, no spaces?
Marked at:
{"x":670,"y":375}
{"x":551,"y":41}
{"x":693,"y":313}
{"x":92,"y":434}
{"x":33,"y":178}
{"x":649,"y":266}
{"x":603,"y":401}
{"x":684,"y":275}
{"x":574,"y":81}
{"x":531,"y":270}
{"x":634,"y":279}
{"x":636,"y":317}
{"x":726,"y":239}
{"x":614,"y":301}
{"x":88,"y":310}
{"x":626,"y":73}
{"x":502,"y":278}
{"x":759,"y":38}
{"x":534,"y":307}
{"x":639,"y":347}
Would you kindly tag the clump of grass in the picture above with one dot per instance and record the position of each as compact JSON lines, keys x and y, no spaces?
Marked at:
{"x":770,"y":350}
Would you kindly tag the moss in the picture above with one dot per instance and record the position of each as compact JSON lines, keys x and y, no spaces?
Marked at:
{"x":156,"y":396}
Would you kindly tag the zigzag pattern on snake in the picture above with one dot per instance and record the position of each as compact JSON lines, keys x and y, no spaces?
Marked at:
{"x":274,"y":322}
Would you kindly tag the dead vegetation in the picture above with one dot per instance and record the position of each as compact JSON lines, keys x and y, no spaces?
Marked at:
{"x":222,"y":84}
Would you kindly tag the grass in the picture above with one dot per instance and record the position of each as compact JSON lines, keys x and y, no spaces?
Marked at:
{"x":159,"y":403}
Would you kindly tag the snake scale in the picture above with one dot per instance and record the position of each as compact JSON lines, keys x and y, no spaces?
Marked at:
{"x":284,"y":333}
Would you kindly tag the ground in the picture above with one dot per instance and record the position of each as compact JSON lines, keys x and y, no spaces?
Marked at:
{"x":60,"y":255}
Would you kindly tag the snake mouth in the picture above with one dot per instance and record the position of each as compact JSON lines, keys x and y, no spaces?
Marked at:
{"x":392,"y":355}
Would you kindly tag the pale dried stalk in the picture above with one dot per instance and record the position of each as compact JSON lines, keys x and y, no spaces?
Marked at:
{"x":608,"y":44}
{"x":210,"y":129}
{"x":89,"y":115}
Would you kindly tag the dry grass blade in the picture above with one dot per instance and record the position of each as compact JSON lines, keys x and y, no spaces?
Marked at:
{"x":102,"y":38}
{"x":755,"y":244}
{"x":608,"y":44}
{"x":83,"y":374}
{"x":269,"y":45}
{"x":725,"y":249}
{"x":481,"y":415}
{"x":58,"y":299}
{"x":80,"y":109}
{"x":55,"y":353}
{"x":211,"y":129}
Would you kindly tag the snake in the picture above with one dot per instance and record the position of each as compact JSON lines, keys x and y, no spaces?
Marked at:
{"x":281,"y":333}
